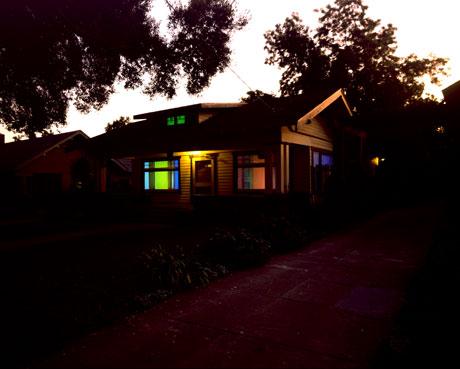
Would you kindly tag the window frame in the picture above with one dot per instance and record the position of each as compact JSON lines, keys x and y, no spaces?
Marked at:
{"x":236,"y":166}
{"x":321,"y":152}
{"x":176,"y":120}
{"x":169,"y":169}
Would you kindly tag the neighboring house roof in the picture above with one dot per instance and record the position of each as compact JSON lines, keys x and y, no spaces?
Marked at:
{"x":14,"y":155}
{"x":229,"y":124}
{"x":452,"y":95}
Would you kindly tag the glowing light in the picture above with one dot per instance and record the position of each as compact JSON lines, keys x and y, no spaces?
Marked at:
{"x":375,"y":161}
{"x":440,"y":130}
{"x":194,"y":153}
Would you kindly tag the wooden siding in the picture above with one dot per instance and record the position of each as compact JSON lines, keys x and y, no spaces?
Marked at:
{"x":225,"y":176}
{"x":185,"y":175}
{"x":223,"y":162}
{"x":317,"y":128}
{"x":204,"y":116}
{"x":288,"y":136}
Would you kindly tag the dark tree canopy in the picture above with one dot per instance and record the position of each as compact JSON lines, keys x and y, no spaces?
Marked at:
{"x":117,"y":123}
{"x":53,"y":52}
{"x":350,"y":50}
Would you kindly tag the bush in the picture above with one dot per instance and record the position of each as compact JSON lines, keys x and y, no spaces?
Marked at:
{"x":238,"y":248}
{"x":172,"y":269}
{"x":283,"y":234}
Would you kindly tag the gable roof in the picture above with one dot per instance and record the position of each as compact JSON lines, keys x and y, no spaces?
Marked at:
{"x":339,"y":94}
{"x":15,"y":154}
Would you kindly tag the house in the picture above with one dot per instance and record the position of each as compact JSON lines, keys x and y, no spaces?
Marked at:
{"x":452,"y":95}
{"x":46,"y":165}
{"x":452,"y":109}
{"x":292,"y":145}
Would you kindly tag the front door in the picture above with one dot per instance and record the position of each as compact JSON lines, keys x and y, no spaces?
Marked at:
{"x":203,"y":183}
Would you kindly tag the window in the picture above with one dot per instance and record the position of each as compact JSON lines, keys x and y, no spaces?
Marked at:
{"x":250,"y":172}
{"x":178,"y":120}
{"x":161,"y":175}
{"x":322,"y":163}
{"x":170,"y":121}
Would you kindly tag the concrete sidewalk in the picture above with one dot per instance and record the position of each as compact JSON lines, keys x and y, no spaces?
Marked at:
{"x":329,"y":305}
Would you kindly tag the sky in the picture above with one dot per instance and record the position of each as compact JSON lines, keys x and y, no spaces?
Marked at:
{"x":424,"y":27}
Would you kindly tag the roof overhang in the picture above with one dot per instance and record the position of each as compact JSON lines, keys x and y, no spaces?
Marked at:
{"x":338,"y":95}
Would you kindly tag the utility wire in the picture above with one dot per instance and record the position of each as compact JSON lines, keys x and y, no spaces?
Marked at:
{"x":171,"y":7}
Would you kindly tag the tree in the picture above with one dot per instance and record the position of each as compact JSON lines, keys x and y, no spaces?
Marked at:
{"x":53,"y":52}
{"x":353,"y":51}
{"x":117,"y":123}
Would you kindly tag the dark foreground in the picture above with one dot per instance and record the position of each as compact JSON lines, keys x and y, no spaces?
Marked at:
{"x":332,"y":304}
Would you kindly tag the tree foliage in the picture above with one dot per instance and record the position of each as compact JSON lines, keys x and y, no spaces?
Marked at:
{"x":117,"y":123}
{"x":53,"y":52}
{"x":351,"y":50}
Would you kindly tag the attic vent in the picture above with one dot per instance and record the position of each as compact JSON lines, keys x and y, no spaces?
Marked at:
{"x":177,"y":120}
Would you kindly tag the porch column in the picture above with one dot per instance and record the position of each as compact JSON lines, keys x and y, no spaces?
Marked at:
{"x":284,"y":168}
{"x":215,"y":177}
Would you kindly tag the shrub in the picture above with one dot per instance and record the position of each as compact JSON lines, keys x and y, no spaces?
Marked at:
{"x":171,"y":269}
{"x":238,"y":248}
{"x":283,"y":233}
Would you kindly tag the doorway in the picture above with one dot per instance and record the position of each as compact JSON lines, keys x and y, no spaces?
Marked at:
{"x":203,"y":183}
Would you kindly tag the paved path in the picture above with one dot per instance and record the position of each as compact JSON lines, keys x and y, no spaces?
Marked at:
{"x":328,"y":305}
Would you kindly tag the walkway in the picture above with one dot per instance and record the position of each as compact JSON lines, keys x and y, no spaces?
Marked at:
{"x":328,"y":305}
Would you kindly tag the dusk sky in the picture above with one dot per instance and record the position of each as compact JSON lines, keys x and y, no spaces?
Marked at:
{"x":424,"y":27}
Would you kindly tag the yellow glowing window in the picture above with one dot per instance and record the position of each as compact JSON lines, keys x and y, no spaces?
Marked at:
{"x":161,"y":175}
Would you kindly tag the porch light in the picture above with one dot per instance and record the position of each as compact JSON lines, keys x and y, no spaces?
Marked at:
{"x":195,"y":153}
{"x":375,"y":161}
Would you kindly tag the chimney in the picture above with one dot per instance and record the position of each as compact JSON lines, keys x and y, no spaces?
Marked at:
{"x":2,"y":139}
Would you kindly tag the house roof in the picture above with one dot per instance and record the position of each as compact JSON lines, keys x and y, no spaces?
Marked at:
{"x":230,"y":124}
{"x":197,"y":107}
{"x":18,"y":153}
{"x":452,"y":94}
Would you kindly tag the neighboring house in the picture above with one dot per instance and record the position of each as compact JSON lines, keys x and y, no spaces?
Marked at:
{"x":452,"y":95}
{"x":292,"y":146}
{"x":452,"y":110}
{"x":46,"y":165}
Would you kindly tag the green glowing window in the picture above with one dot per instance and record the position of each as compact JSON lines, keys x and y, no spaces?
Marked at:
{"x":161,"y":175}
{"x":170,"y":121}
{"x":178,"y":120}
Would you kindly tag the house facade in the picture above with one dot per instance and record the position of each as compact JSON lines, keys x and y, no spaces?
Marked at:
{"x":46,"y":165}
{"x":180,"y":155}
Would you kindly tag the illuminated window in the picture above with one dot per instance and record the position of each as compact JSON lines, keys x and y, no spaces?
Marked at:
{"x":180,"y":119}
{"x":177,"y":120}
{"x":170,"y":121}
{"x":322,"y":163}
{"x":250,"y":172}
{"x":161,"y":175}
